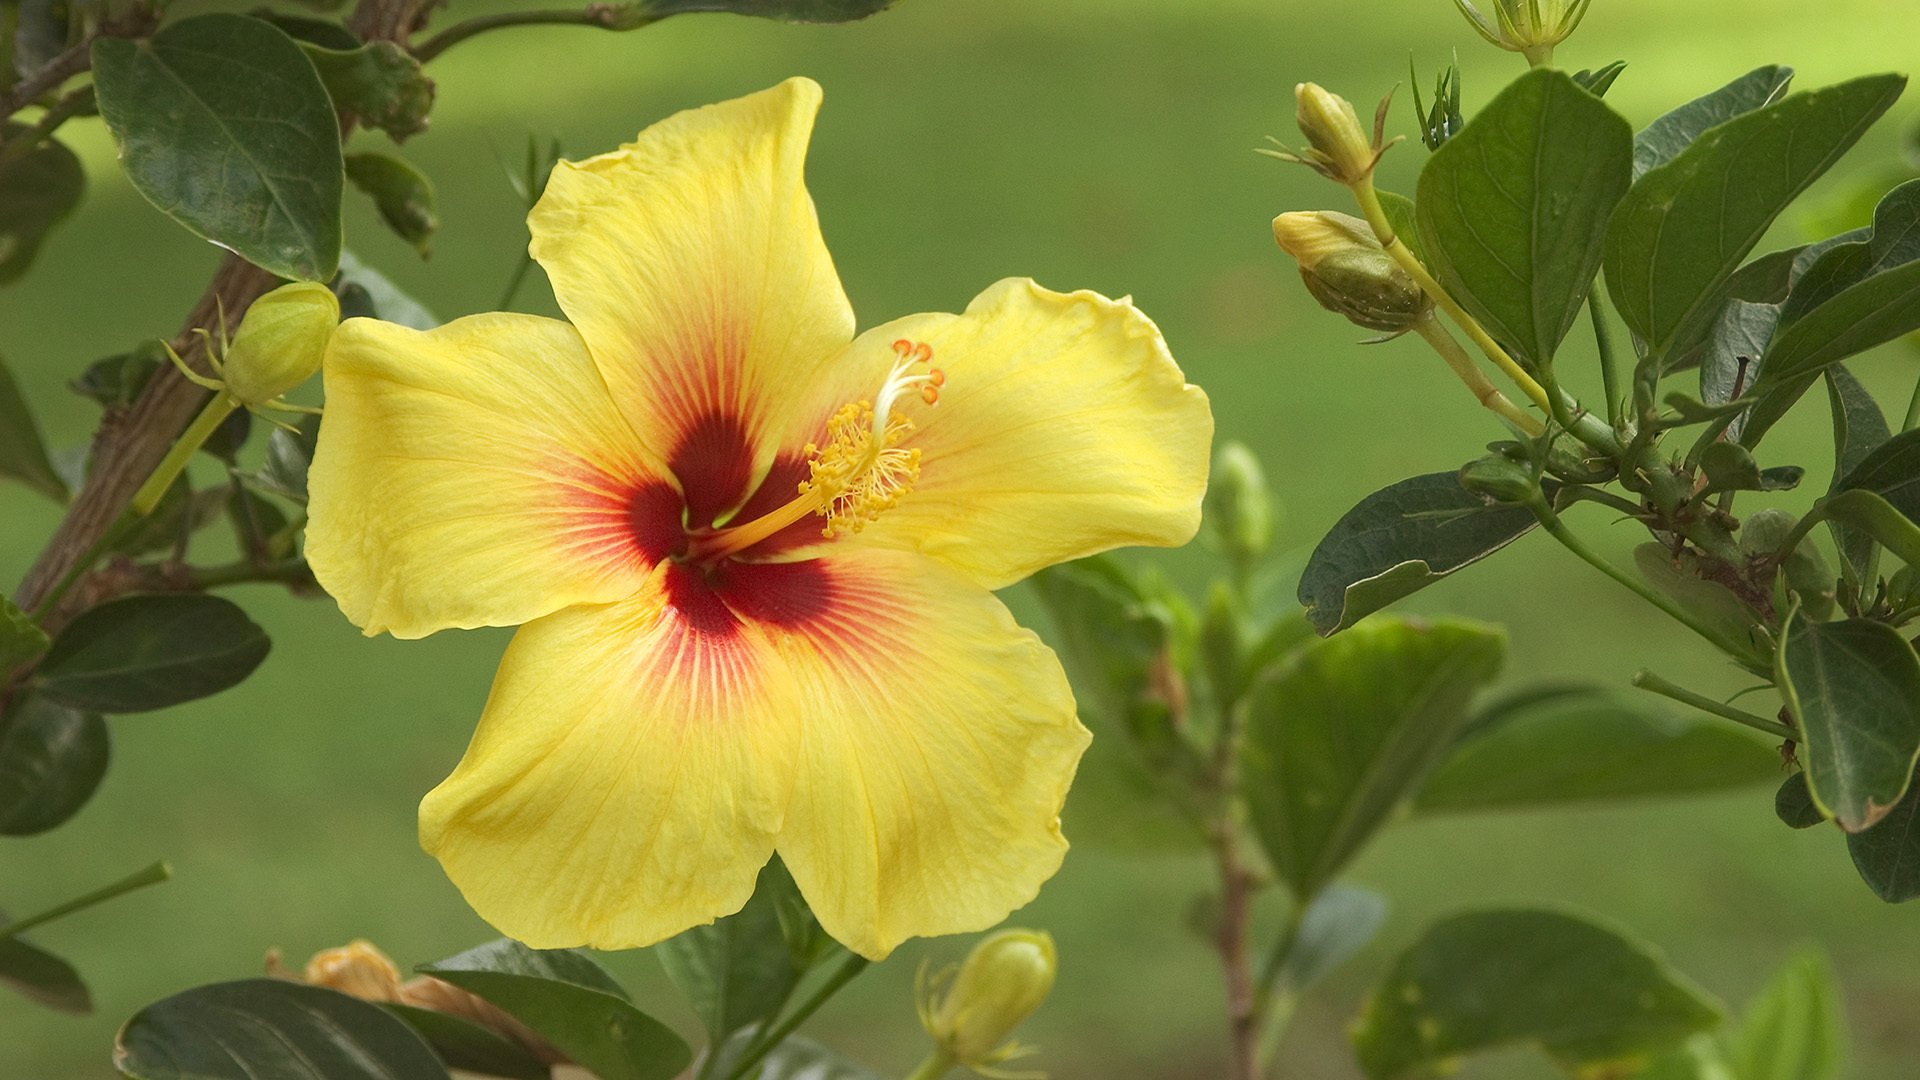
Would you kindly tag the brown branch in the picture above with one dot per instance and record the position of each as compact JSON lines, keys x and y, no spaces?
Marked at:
{"x":138,"y":21}
{"x":1237,"y":885}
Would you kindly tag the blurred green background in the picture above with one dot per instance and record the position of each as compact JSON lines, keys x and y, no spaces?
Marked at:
{"x":1088,"y":143}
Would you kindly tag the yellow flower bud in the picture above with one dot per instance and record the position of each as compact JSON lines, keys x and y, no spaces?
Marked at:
{"x":1341,"y":148}
{"x":1348,"y":271}
{"x":280,"y":342}
{"x":1532,"y":27}
{"x":1001,"y":982}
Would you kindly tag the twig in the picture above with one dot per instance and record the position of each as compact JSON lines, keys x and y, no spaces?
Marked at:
{"x":1647,"y":680}
{"x":603,"y":16}
{"x":137,"y":21}
{"x":1236,"y":913}
{"x":74,"y":104}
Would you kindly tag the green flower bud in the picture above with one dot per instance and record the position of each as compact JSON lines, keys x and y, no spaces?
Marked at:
{"x":1532,"y":27}
{"x":1341,"y":149}
{"x":1499,"y":478}
{"x":1001,"y":982}
{"x":1239,"y":506}
{"x":1348,"y":271}
{"x":280,"y":342}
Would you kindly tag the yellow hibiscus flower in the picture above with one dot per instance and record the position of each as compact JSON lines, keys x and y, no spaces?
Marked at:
{"x":753,"y":553}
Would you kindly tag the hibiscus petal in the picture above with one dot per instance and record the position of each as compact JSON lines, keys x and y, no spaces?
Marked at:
{"x":1064,"y":428}
{"x":476,"y":474}
{"x":940,"y":742}
{"x":628,"y":775}
{"x":692,"y":262}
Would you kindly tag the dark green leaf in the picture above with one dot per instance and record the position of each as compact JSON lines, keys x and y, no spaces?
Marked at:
{"x":1869,"y":514}
{"x":260,"y":527}
{"x":1338,"y":738}
{"x":1763,"y":281}
{"x":38,"y":188}
{"x":1793,"y":803}
{"x":21,"y":639}
{"x":1598,"y":81}
{"x":1730,"y":364}
{"x":289,"y":456}
{"x":45,"y":28}
{"x":51,"y":760}
{"x":1858,"y":429}
{"x":148,"y":652}
{"x":794,"y":1059}
{"x":1405,"y":222}
{"x":1792,"y":1030}
{"x":1443,"y":121}
{"x":1730,"y":467}
{"x":738,"y":970}
{"x":364,"y":291}
{"x":1583,"y":743}
{"x":572,"y":1003}
{"x":1338,"y":924}
{"x":309,"y":31}
{"x":379,"y":83}
{"x":222,"y":124}
{"x":1888,"y":855}
{"x":465,"y":1045}
{"x":1588,"y":995}
{"x":1664,"y":139}
{"x":178,"y":515}
{"x":43,"y":977}
{"x":1513,"y":210}
{"x":22,"y":455}
{"x":1856,"y":296}
{"x":1682,"y":577}
{"x":115,"y":381}
{"x":803,"y":11}
{"x":1686,"y":225}
{"x":401,"y":193}
{"x":270,"y":1029}
{"x":1399,"y":540}
{"x":1854,"y":687}
{"x":1890,"y":470}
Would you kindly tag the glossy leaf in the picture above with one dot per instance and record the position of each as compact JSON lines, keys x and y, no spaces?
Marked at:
{"x":378,"y":82}
{"x":42,"y":977}
{"x":1728,"y":466}
{"x":794,"y":1059}
{"x":1793,"y":804}
{"x":148,"y":652}
{"x":1513,"y":210}
{"x":1856,"y":296}
{"x":23,"y":456}
{"x":1399,"y":540}
{"x":270,"y":1029}
{"x":1686,"y":225}
{"x":115,"y":381}
{"x":1791,"y":1031}
{"x":1339,"y":923}
{"x":1584,"y":743}
{"x":572,"y":1003}
{"x":1887,"y":855}
{"x":222,"y":124}
{"x":737,"y":970}
{"x":1585,"y":993}
{"x":1337,"y":739}
{"x":401,"y":193}
{"x":38,"y":189}
{"x":1664,"y":139}
{"x":1859,"y":428}
{"x":289,"y":456}
{"x":467,"y":1046}
{"x":1891,"y":471}
{"x":51,"y":761}
{"x":1854,"y":688}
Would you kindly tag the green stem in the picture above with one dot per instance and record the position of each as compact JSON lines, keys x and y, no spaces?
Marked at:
{"x":1558,"y":530}
{"x":937,"y":1065}
{"x":152,"y":875}
{"x":604,"y":16}
{"x":1276,"y":1006}
{"x":764,"y":1043}
{"x":58,"y":113}
{"x":218,"y":408}
{"x":1476,"y":381}
{"x":1647,"y":680}
{"x":1609,"y":369}
{"x":285,"y":572}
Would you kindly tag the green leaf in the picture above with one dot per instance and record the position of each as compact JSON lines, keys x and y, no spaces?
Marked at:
{"x":51,"y":761}
{"x":802,"y":11}
{"x":738,"y":970}
{"x":1680,"y":576}
{"x":148,"y":652}
{"x":1664,"y":139}
{"x":1887,"y":855}
{"x":364,"y":291}
{"x":1857,"y":296}
{"x":20,"y":639}
{"x":465,"y":1045}
{"x":1586,"y":743}
{"x":1597,"y":81}
{"x":270,"y":1029}
{"x":1891,"y":471}
{"x":401,"y":193}
{"x":289,"y":456}
{"x":115,"y":381}
{"x":1793,"y":804}
{"x":1868,"y":514}
{"x":1404,"y":220}
{"x":572,"y":1003}
{"x":1792,"y":1030}
{"x":22,"y":454}
{"x":794,"y":1059}
{"x":1513,"y":210}
{"x":222,"y":124}
{"x":1685,"y":226}
{"x":1335,"y":740}
{"x":1728,"y":466}
{"x":379,"y":83}
{"x":1730,"y":363}
{"x":1854,"y":687}
{"x":1587,"y":994}
{"x":1398,"y":541}
{"x":43,"y":977}
{"x":38,"y":189}
{"x":1339,"y":923}
{"x":1858,"y":429}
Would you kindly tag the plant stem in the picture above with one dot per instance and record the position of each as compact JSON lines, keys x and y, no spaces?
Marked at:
{"x":1236,"y":914}
{"x":937,"y":1065}
{"x":216,"y":411}
{"x":1277,"y":1007}
{"x":152,"y":875}
{"x":1609,"y":370}
{"x":764,"y":1043}
{"x":1647,"y":680}
{"x":58,"y":113}
{"x":1483,"y":390}
{"x":604,"y":16}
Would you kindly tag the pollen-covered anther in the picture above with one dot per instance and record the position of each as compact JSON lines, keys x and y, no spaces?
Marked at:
{"x":862,"y":471}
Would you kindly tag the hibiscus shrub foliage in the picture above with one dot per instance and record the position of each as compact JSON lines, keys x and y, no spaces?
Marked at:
{"x":1278,"y":738}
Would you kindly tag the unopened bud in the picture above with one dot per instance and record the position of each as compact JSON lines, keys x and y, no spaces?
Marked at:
{"x":1532,"y":27}
{"x":1239,"y":506}
{"x":1348,"y":272}
{"x":1499,"y":478}
{"x":358,"y":969}
{"x":1340,"y":146}
{"x":280,"y":342}
{"x":1001,"y":982}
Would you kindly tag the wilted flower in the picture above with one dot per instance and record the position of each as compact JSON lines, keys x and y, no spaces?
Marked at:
{"x":753,"y":553}
{"x":972,"y":1011}
{"x":1532,"y":27}
{"x":1348,"y":271}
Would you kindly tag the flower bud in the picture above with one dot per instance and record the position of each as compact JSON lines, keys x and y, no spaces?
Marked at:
{"x":1348,"y":271}
{"x":1499,"y":478}
{"x":1239,"y":506}
{"x":1532,"y":27}
{"x":1001,"y":982}
{"x":280,"y":342}
{"x":1340,"y":146}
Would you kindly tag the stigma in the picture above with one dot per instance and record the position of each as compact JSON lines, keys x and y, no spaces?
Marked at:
{"x":862,"y":470}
